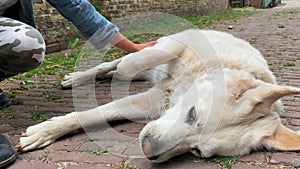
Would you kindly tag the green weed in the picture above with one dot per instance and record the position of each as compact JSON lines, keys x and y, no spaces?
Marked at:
{"x":53,"y":65}
{"x":225,"y":162}
{"x":52,"y":96}
{"x":98,"y":152}
{"x":252,"y":40}
{"x":5,"y":115}
{"x":126,"y":165}
{"x":289,"y":64}
{"x":38,"y":115}
{"x":205,"y":21}
{"x":74,"y":44}
{"x":12,"y":94}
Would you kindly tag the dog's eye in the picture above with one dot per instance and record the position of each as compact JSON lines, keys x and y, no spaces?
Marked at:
{"x":191,"y":116}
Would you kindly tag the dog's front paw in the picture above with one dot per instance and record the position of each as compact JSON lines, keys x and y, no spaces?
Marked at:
{"x":38,"y":136}
{"x":45,"y":133}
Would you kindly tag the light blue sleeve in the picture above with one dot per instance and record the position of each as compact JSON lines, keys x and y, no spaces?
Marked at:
{"x":93,"y":26}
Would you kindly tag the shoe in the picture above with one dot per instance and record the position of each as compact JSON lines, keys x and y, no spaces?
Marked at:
{"x":4,"y":99}
{"x":7,"y":153}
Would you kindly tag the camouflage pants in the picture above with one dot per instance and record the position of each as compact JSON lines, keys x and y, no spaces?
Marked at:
{"x":22,"y":47}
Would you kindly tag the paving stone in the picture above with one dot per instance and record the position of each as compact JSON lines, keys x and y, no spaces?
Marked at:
{"x":29,"y":165}
{"x":248,"y":166}
{"x":133,"y":128}
{"x":5,"y":128}
{"x":144,"y":164}
{"x":89,"y":146}
{"x":291,"y":114}
{"x":89,"y":167}
{"x":83,"y":157}
{"x":295,"y":128}
{"x":259,"y":157}
{"x":285,"y":158}
{"x":295,"y":122}
{"x":65,"y":145}
{"x":38,"y":155}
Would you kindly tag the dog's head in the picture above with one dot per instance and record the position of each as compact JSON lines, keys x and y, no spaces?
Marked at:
{"x":225,"y":112}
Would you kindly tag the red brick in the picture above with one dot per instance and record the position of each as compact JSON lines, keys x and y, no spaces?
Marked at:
{"x":248,"y":166}
{"x":83,"y":157}
{"x":18,"y":164}
{"x":90,"y":167}
{"x":291,"y":115}
{"x":295,"y":122}
{"x":187,"y":164}
{"x":258,"y":157}
{"x":285,"y":158}
{"x":65,"y":145}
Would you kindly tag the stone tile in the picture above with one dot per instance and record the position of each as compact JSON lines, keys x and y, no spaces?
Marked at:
{"x":285,"y":158}
{"x":295,"y":122}
{"x":89,"y":146}
{"x":5,"y":128}
{"x":259,"y":157}
{"x":247,"y":166}
{"x":65,"y":145}
{"x":141,"y":163}
{"x":84,"y":157}
{"x":18,"y":164}
{"x":37,"y":155}
{"x":89,"y":167}
{"x":144,"y":164}
{"x":295,"y":128}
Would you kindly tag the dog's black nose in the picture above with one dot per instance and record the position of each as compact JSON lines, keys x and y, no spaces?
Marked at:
{"x":149,"y":146}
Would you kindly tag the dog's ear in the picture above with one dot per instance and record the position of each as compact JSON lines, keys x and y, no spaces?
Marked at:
{"x":282,"y":139}
{"x":269,"y":93}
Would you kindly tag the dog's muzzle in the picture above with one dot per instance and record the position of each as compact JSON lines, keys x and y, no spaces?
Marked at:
{"x":149,"y":146}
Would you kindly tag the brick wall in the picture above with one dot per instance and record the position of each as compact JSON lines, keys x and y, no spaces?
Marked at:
{"x":57,"y":31}
{"x":120,"y":8}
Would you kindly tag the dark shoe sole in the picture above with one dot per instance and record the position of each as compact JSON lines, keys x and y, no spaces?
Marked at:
{"x":8,"y":161}
{"x":6,"y":105}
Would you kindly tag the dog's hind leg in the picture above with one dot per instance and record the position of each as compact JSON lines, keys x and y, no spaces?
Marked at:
{"x":141,"y":106}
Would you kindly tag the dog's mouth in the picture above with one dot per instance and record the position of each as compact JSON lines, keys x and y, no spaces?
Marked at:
{"x":158,"y":158}
{"x":196,"y":151}
{"x":154,"y":150}
{"x":173,"y":152}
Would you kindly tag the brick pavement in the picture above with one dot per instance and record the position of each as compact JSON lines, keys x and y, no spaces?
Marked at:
{"x":275,"y":32}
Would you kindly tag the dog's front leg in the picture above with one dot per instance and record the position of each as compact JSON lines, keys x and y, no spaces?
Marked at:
{"x":47,"y":132}
{"x":140,"y":106}
{"x":77,"y":78}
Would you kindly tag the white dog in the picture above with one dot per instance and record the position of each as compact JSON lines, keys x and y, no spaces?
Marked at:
{"x":213,"y":94}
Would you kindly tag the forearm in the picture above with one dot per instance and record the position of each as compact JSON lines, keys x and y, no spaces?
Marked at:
{"x":123,"y":43}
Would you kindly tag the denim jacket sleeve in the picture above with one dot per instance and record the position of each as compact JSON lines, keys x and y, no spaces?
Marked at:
{"x":94,"y":27}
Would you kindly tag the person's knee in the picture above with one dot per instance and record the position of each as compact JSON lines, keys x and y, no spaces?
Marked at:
{"x":31,"y":46}
{"x":21,"y":51}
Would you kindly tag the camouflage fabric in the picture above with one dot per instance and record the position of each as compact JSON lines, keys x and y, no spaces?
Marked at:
{"x":22,"y":47}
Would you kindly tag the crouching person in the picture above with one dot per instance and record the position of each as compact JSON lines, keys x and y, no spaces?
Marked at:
{"x":22,"y":48}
